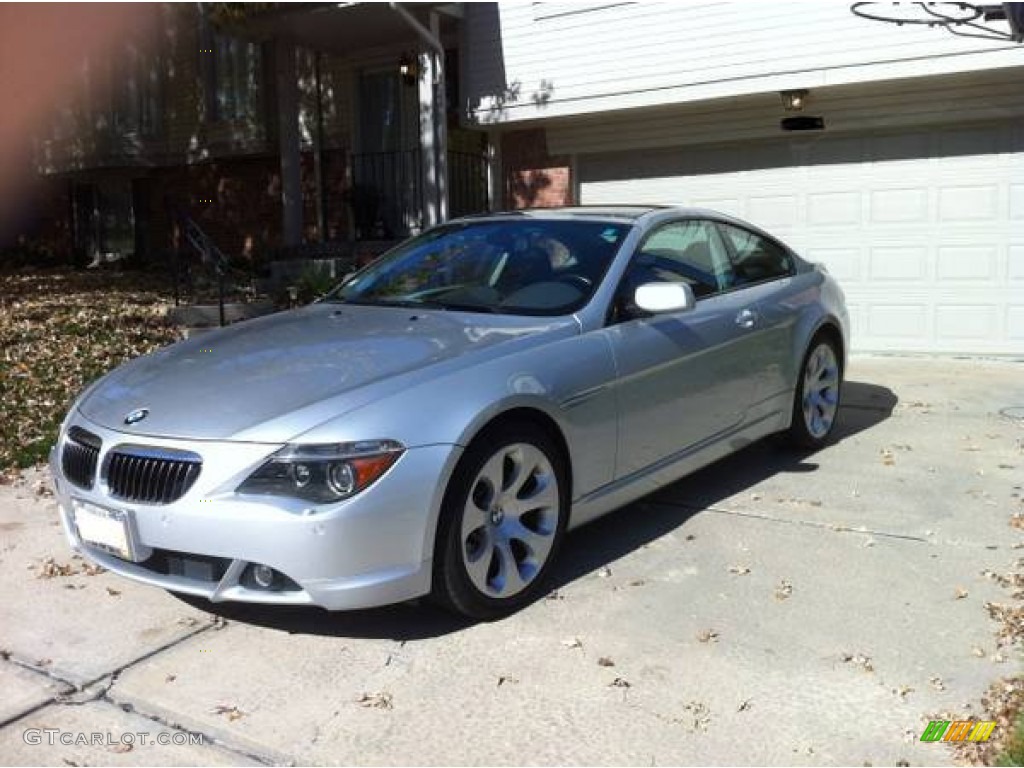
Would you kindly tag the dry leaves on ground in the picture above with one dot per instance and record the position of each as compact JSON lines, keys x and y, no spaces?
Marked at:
{"x":59,"y":330}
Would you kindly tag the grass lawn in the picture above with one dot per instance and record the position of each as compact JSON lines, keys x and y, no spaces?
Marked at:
{"x":60,"y":330}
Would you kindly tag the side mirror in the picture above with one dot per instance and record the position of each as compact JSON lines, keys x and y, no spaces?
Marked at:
{"x":657,"y":298}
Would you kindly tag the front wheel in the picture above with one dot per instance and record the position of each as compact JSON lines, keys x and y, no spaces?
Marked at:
{"x":818,"y":391}
{"x":503,"y":519}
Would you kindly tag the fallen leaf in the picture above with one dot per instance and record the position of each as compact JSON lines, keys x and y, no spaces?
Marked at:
{"x":378,"y":700}
{"x":503,"y":679}
{"x":619,"y":682}
{"x":960,"y":593}
{"x":604,"y":661}
{"x":233,"y":713}
{"x":707,"y":636}
{"x":784,"y":590}
{"x":858,"y":660}
{"x":700,"y":715}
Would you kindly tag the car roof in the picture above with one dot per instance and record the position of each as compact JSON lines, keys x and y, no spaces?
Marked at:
{"x":606,"y":212}
{"x":620,"y":213}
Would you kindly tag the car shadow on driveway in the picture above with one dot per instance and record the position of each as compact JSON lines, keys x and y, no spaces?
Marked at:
{"x":593,"y":546}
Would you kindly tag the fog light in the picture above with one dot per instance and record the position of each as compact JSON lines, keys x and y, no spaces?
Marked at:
{"x":263,"y":575}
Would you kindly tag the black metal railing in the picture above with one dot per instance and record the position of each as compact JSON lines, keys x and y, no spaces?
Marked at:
{"x":211,"y":258}
{"x":387,"y":196}
{"x":468,"y":190}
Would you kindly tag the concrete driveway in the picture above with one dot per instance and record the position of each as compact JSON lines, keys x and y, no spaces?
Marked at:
{"x":772,"y":609}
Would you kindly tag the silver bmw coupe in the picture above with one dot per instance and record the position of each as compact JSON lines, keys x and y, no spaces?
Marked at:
{"x":436,"y":423}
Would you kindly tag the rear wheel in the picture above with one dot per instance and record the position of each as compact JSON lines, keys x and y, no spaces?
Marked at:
{"x":818,"y":391}
{"x":502,"y":523}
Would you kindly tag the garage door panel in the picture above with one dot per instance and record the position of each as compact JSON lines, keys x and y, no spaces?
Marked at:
{"x":1015,"y":263}
{"x":844,"y":263}
{"x":969,"y":203}
{"x":1017,"y":201}
{"x":899,"y":263}
{"x":962,"y":263}
{"x":968,"y":322}
{"x":833,"y":208}
{"x":924,"y":230}
{"x":1015,"y":322}
{"x":905,"y":322}
{"x":899,"y":205}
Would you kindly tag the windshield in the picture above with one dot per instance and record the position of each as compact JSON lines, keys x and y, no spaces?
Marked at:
{"x":523,"y":266}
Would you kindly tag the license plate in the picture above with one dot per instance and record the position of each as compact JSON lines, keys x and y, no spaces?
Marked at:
{"x":106,"y":528}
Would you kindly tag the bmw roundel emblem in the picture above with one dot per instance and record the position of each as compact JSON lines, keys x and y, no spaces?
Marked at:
{"x":136,"y":416}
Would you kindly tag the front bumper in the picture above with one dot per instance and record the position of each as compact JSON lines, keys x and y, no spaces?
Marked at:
{"x":373,"y":549}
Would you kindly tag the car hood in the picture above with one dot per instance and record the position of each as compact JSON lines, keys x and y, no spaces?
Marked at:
{"x":224,"y":383}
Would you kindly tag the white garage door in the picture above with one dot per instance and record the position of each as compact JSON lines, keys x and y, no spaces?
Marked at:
{"x":924,"y":230}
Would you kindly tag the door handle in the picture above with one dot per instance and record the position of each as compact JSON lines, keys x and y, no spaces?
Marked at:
{"x":746,"y":319}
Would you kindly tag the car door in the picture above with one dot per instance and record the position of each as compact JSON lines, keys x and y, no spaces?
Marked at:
{"x":684,"y":378}
{"x":764,"y":271}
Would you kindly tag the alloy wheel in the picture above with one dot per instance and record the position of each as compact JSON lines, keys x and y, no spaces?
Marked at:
{"x":821,"y":391}
{"x":510,"y":520}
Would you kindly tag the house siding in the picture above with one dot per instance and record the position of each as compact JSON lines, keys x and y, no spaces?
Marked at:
{"x":888,"y":106}
{"x":527,"y":62}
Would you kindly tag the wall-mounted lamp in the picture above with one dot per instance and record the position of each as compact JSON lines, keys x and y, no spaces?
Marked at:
{"x":793,"y":101}
{"x":409,"y":69}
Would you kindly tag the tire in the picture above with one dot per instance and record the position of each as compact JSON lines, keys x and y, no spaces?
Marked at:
{"x":502,"y":522}
{"x":817,"y":395}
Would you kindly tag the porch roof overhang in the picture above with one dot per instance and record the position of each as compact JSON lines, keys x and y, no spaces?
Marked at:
{"x":344,"y":28}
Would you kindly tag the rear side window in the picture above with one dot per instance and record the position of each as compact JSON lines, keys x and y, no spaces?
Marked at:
{"x":755,"y":258}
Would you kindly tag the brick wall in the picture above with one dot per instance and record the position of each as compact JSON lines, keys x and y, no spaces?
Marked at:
{"x":532,"y":177}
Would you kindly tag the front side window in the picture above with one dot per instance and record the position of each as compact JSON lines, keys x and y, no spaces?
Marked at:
{"x":689,"y":251}
{"x":755,"y":258}
{"x":522,"y":267}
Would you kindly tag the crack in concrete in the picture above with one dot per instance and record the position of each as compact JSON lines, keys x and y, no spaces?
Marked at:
{"x":78,"y":694}
{"x":807,"y":523}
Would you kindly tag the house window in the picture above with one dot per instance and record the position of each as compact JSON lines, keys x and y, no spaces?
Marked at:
{"x":236,"y":78}
{"x":136,"y":104}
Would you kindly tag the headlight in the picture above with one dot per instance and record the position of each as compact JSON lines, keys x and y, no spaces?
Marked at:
{"x":323,"y":473}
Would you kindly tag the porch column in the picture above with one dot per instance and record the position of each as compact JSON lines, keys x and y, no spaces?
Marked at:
{"x":440,"y":122}
{"x":288,"y":142}
{"x":428,"y":158}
